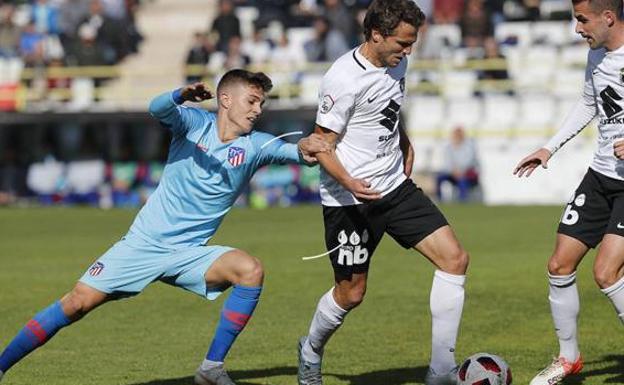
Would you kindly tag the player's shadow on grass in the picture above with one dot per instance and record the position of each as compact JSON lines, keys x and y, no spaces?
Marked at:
{"x":615,"y":368}
{"x":396,"y":376}
{"x":238,"y":376}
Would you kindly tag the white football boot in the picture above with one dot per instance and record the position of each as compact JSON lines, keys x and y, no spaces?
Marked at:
{"x":557,"y":371}
{"x":433,"y":378}
{"x":213,"y":376}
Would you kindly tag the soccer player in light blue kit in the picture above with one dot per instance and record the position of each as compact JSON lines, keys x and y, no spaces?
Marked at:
{"x":211,"y":159}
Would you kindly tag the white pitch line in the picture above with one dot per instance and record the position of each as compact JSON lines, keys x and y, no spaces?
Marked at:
{"x":282,"y":136}
{"x":322,"y":255}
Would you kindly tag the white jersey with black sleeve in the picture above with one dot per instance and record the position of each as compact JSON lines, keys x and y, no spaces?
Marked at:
{"x":603,"y":95}
{"x":360,"y":102}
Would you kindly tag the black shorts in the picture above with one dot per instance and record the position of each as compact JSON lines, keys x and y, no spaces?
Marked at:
{"x":353,"y":232}
{"x":596,"y":209}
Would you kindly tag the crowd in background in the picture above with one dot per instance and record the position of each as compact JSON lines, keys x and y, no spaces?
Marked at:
{"x":103,"y":32}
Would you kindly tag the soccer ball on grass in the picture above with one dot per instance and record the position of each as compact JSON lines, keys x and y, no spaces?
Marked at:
{"x":484,"y":369}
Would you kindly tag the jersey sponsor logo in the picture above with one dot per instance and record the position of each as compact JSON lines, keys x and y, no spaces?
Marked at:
{"x":385,"y":138}
{"x":391,"y":113}
{"x":327,"y":104}
{"x":236,"y":156}
{"x":351,"y":251}
{"x":610,"y":99}
{"x":370,"y":100}
{"x":96,"y":269}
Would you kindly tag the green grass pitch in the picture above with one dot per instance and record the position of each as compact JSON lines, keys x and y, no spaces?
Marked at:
{"x":159,"y":337}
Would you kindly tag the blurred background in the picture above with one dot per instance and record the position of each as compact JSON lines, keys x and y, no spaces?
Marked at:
{"x":489,"y":82}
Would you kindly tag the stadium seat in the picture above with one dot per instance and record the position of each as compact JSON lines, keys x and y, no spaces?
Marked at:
{"x":85,"y":176}
{"x":464,"y":112}
{"x":444,"y":35}
{"x":82,"y":91}
{"x":424,"y":116}
{"x":574,"y":56}
{"x":46,"y":177}
{"x":500,"y":112}
{"x":536,"y":115}
{"x":513,"y":33}
{"x":550,"y":33}
{"x":310,"y":83}
{"x":539,"y":65}
{"x":246,"y":16}
{"x":459,"y":84}
{"x":568,"y":82}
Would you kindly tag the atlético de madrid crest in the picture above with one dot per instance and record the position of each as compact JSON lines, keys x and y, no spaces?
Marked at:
{"x":236,"y":156}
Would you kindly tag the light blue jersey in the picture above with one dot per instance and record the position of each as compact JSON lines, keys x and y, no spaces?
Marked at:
{"x":203,"y":176}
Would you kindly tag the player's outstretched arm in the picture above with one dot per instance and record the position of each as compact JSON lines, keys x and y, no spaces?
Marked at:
{"x":358,"y":187}
{"x":530,"y":163}
{"x":312,"y":145}
{"x":618,"y":149}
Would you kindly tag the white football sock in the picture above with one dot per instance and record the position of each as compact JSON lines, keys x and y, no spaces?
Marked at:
{"x":447,"y":302}
{"x":208,"y":364}
{"x":327,"y":319}
{"x":615,"y":293}
{"x":564,"y":307}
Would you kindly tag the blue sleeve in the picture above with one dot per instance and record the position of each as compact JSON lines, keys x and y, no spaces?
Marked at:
{"x":179,"y":119}
{"x":276,"y":151}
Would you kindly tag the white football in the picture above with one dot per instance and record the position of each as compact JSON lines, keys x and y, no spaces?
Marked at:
{"x":484,"y":369}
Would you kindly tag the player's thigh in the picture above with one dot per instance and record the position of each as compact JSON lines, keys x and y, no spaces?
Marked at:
{"x":586,"y":216}
{"x":569,"y":252}
{"x":609,"y":263}
{"x":187,"y":269}
{"x":444,"y":250}
{"x":352,"y":234}
{"x":126,"y":268}
{"x":81,"y":300}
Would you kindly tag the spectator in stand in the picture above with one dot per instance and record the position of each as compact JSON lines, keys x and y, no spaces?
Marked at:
{"x":341,"y":19}
{"x":533,"y":9}
{"x":198,"y":57}
{"x":327,"y":44}
{"x":109,"y":33}
{"x":476,"y":24}
{"x":45,"y":17}
{"x":87,"y":52}
{"x":498,"y":72}
{"x":447,"y":11}
{"x":226,"y":25}
{"x":258,"y":48}
{"x":461,"y":165}
{"x":71,"y":14}
{"x":495,"y":9}
{"x":31,"y":46}
{"x":10,"y":33}
{"x":235,"y":57}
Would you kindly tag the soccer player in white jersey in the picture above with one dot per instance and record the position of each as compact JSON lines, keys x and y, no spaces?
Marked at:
{"x":366,"y":190}
{"x":595,"y":214}
{"x":211,"y":159}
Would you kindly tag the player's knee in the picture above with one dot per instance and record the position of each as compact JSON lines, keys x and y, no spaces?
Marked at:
{"x":352,"y":298}
{"x":250,"y":272}
{"x":604,"y":276}
{"x":457,"y":263}
{"x":77,"y":303}
{"x":556,"y":267}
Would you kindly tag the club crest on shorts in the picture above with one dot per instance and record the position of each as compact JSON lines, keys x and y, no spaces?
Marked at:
{"x":236,"y":156}
{"x":352,"y":249}
{"x":96,"y":269}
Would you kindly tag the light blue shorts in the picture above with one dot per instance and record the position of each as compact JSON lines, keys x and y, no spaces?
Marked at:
{"x":132,"y":264}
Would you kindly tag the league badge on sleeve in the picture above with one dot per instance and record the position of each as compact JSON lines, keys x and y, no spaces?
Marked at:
{"x":327,"y":103}
{"x":236,"y":156}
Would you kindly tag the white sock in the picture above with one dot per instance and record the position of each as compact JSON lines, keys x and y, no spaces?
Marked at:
{"x":207,"y":364}
{"x":447,"y":303}
{"x":564,"y":307}
{"x":327,"y":319}
{"x":615,"y":293}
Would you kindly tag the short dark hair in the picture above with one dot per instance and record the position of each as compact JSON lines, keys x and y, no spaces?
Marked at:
{"x":258,"y":79}
{"x":615,"y":6}
{"x":385,"y":16}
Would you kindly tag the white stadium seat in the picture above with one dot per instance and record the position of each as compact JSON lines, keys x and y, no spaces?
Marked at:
{"x":500,"y":112}
{"x":424,"y":115}
{"x":550,"y":33}
{"x":459,"y":84}
{"x":536,"y":115}
{"x":518,"y":31}
{"x":465,"y":112}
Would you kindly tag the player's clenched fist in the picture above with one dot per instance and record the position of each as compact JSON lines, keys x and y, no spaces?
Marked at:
{"x":618,"y":149}
{"x":196,"y":92}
